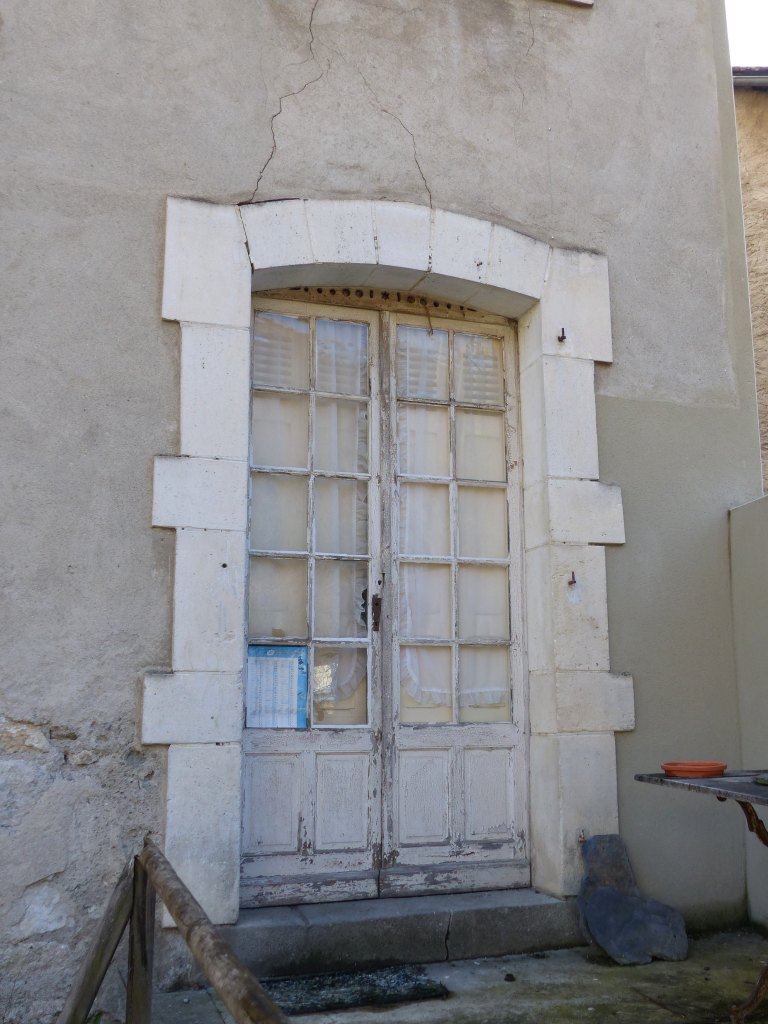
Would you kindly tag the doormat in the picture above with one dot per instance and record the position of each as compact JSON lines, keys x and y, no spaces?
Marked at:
{"x":342,"y":990}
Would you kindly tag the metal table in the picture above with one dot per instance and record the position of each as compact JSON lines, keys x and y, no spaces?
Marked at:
{"x":741,"y":787}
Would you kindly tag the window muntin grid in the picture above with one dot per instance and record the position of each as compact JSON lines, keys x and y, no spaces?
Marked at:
{"x":445,"y":397}
{"x":451,"y":472}
{"x":310,"y":472}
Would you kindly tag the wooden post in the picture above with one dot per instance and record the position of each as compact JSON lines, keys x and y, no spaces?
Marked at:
{"x":237,"y":988}
{"x":141,"y":949}
{"x":100,"y":953}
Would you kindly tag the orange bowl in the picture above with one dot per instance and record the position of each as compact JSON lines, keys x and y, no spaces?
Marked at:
{"x":693,"y":769}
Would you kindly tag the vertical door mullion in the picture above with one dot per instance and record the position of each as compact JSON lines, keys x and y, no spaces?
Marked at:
{"x":375,"y":578}
{"x":453,"y":489}
{"x":311,"y":531}
{"x":389,"y":680}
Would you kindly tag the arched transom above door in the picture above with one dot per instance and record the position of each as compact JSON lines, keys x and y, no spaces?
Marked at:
{"x":215,"y":257}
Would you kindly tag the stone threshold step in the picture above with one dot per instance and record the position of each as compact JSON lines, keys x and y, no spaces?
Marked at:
{"x":309,"y":938}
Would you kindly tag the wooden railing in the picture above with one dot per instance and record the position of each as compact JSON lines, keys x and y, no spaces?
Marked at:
{"x":133,"y":901}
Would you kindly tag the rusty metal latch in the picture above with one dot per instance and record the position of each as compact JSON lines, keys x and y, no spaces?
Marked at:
{"x":376,"y":612}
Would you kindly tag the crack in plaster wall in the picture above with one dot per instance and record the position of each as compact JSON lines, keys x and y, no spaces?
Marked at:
{"x":289,"y":95}
{"x":402,"y":124}
{"x":323,"y":71}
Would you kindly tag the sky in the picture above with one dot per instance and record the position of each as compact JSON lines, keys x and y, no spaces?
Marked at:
{"x":748,"y":32}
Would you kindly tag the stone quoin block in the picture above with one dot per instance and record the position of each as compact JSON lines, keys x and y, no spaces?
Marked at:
{"x":595,"y":702}
{"x":209,"y":601}
{"x":209,"y":494}
{"x":585,"y":512}
{"x":277,"y":233}
{"x":215,"y":391}
{"x":207,"y":272}
{"x":567,"y":608}
{"x":579,"y":607}
{"x":573,"y":789}
{"x":581,"y":702}
{"x":559,"y":420}
{"x":575,"y":306}
{"x":192,"y":707}
{"x":516,"y":263}
{"x":203,"y":824}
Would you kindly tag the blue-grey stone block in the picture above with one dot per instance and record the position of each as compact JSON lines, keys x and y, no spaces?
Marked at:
{"x":632,"y":930}
{"x":612,"y":913}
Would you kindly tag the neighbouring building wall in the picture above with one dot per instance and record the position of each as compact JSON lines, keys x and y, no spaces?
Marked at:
{"x":752,"y":127}
{"x":749,"y":523}
{"x":574,"y":125}
{"x":749,"y":571}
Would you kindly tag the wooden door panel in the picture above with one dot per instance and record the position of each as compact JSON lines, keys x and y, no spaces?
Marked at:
{"x":273,"y":809}
{"x":424,"y":797}
{"x":343,"y":802}
{"x":333,"y":853}
{"x":488,"y":794}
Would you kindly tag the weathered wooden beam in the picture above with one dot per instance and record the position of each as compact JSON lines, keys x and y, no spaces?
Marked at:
{"x":141,"y":949}
{"x":237,"y":988}
{"x":93,"y":968}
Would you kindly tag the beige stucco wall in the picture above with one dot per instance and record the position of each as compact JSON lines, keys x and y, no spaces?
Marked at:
{"x":574,"y":125}
{"x":752,"y":126}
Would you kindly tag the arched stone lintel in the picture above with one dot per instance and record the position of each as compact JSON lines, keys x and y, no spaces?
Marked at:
{"x":214,"y":256}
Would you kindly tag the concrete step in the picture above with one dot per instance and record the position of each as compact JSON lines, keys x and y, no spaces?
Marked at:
{"x":417,"y":929}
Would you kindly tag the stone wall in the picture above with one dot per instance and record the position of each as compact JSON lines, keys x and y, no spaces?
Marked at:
{"x":752,"y":127}
{"x":575,"y":125}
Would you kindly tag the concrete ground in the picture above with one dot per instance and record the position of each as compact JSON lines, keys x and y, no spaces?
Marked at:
{"x":557,"y":987}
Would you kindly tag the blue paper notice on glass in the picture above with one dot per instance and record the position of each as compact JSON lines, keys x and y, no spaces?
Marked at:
{"x":276,"y":688}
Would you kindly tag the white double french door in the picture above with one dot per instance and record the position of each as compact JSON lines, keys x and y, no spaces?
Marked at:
{"x":385,"y":712}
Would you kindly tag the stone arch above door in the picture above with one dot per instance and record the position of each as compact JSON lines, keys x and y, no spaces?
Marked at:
{"x":214,"y":257}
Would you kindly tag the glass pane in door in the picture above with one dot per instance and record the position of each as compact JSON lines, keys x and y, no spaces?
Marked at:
{"x":483,"y":526}
{"x":342,"y":357}
{"x":483,"y":600}
{"x":340,"y":603}
{"x":340,"y":686}
{"x":425,"y":601}
{"x":480,"y":445}
{"x":424,"y":440}
{"x":280,"y":351}
{"x":277,"y":598}
{"x":425,"y":526}
{"x":341,"y":516}
{"x":341,"y":436}
{"x":279,"y":430}
{"x":483,"y":684}
{"x":426,"y":689}
{"x":422,"y":363}
{"x":279,"y":520}
{"x":478,"y":369}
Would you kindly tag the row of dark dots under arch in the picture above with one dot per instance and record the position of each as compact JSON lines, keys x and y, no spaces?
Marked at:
{"x":386,"y":296}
